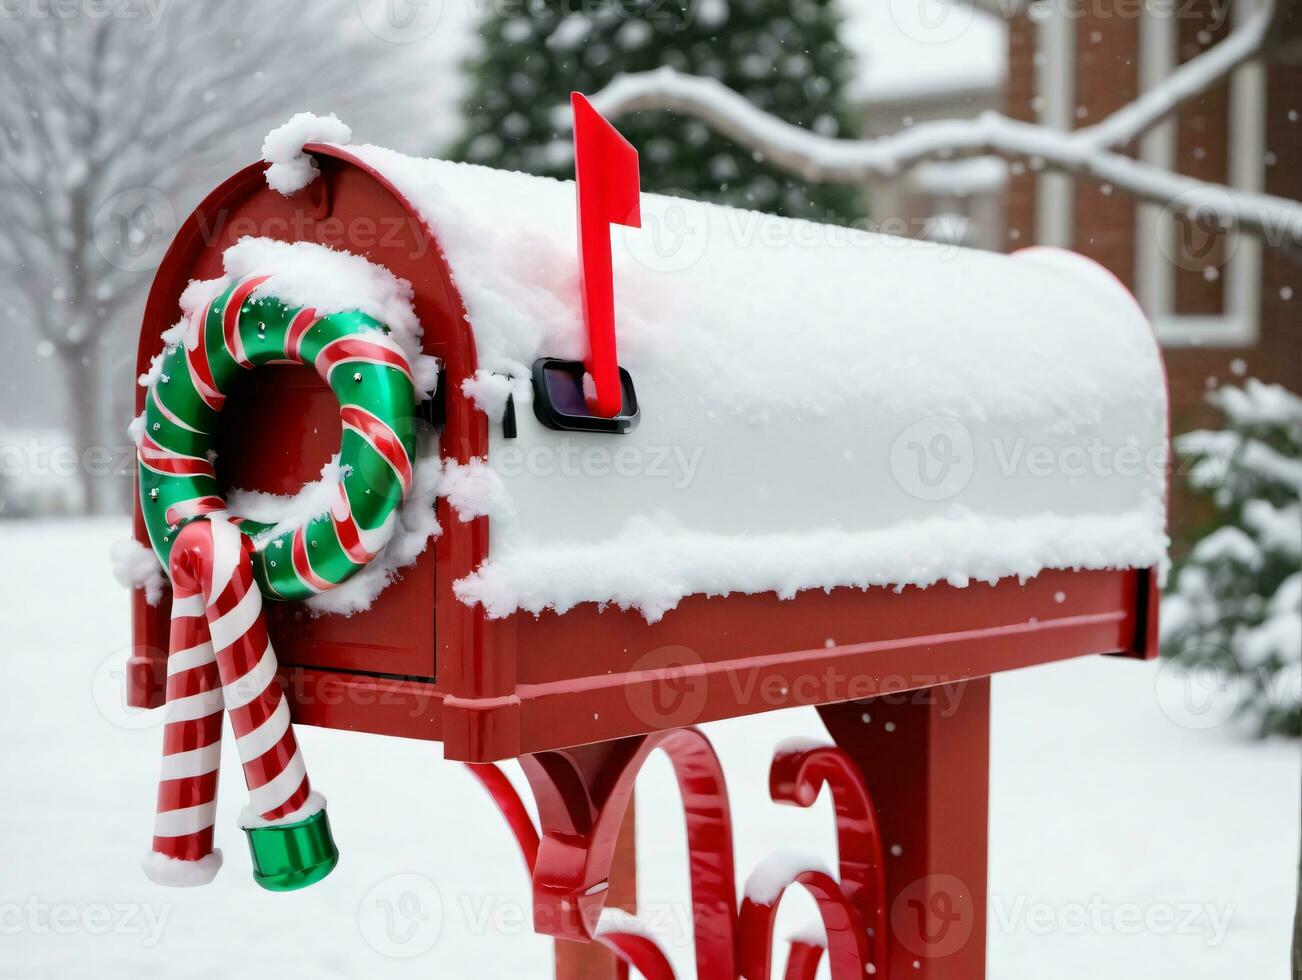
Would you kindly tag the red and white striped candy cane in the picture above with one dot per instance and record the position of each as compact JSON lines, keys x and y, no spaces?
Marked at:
{"x":221,"y":659}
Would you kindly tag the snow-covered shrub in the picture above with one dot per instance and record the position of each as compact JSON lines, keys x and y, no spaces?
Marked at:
{"x":1236,"y":600}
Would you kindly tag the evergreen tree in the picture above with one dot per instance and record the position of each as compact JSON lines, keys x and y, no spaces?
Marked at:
{"x":1236,"y":601}
{"x":782,"y":55}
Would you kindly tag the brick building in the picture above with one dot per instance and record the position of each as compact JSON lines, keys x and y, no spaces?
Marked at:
{"x":1224,"y":305}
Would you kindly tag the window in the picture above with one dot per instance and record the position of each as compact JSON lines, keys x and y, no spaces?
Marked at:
{"x":1166,"y":244}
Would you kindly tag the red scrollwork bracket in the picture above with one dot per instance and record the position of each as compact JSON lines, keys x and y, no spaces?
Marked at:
{"x":582,"y":796}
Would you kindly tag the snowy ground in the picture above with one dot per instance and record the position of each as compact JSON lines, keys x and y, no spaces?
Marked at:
{"x":1130,"y":836}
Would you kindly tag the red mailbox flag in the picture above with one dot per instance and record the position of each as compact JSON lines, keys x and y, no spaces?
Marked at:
{"x":605,"y":170}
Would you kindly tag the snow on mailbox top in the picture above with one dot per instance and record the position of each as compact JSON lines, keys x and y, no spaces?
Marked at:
{"x":820,"y":407}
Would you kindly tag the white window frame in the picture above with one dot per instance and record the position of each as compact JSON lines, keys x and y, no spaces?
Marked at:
{"x":1155,"y":273}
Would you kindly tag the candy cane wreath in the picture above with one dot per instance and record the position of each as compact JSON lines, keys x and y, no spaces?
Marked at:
{"x":220,"y":566}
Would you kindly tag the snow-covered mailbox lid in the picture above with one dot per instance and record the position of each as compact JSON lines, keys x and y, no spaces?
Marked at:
{"x":860,"y":465}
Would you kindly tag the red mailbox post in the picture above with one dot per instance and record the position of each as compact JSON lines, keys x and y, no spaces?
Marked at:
{"x":554,"y":633}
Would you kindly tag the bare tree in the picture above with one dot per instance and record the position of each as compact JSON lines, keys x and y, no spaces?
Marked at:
{"x":109,"y":113}
{"x":1093,"y":152}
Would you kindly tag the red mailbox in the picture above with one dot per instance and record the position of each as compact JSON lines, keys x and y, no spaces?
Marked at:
{"x":846,"y":466}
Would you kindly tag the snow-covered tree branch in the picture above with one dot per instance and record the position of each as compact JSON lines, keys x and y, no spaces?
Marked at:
{"x":1093,"y":152}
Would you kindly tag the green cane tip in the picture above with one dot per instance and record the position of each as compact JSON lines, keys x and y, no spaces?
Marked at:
{"x":287,"y":858}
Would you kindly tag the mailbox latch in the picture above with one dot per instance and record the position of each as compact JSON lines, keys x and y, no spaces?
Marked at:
{"x":560,"y":402}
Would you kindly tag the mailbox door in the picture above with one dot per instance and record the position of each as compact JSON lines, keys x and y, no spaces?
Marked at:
{"x":280,"y":428}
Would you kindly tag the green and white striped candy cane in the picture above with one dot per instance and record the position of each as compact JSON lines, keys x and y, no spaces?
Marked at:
{"x":370,"y":376}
